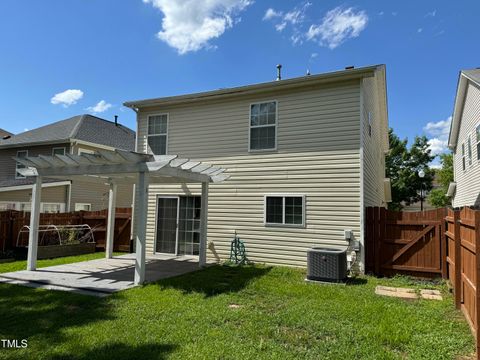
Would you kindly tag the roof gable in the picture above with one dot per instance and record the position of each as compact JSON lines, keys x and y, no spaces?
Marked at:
{"x":464,"y":78}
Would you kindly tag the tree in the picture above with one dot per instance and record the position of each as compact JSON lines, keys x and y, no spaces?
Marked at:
{"x":402,"y":166}
{"x":438,"y":197}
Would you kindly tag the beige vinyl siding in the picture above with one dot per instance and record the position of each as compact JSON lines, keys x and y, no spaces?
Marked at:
{"x":56,"y":194}
{"x":8,"y":164}
{"x":468,"y":181}
{"x":97,"y":195}
{"x":373,"y":153}
{"x":318,"y":138}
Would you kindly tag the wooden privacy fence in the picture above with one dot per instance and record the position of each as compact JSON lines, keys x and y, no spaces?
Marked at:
{"x":410,"y":243}
{"x":11,"y":222}
{"x":463,"y":263}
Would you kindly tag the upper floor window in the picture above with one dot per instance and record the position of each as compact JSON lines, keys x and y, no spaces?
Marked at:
{"x":478,"y":142}
{"x":463,"y":157}
{"x":263,"y":126}
{"x":58,"y":151}
{"x":20,"y":154}
{"x":469,"y":150}
{"x":157,"y":134}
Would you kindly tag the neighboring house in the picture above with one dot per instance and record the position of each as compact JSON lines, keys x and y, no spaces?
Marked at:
{"x":465,"y":141}
{"x":305,"y":155}
{"x":79,"y":134}
{"x":4,"y":134}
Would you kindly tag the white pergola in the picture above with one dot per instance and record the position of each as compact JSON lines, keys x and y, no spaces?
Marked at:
{"x":120,"y":167}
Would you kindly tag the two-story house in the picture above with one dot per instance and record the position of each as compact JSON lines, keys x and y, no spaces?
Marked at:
{"x":76,"y":135}
{"x":464,"y":141}
{"x":305,"y":155}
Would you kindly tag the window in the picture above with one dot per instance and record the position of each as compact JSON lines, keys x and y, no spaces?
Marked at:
{"x":20,"y":154}
{"x":52,"y":207}
{"x":58,"y":151}
{"x":157,"y":134}
{"x":285,"y":210}
{"x":263,"y":126}
{"x":83,"y":207}
{"x":463,"y":157}
{"x":469,"y":150}
{"x":478,"y":142}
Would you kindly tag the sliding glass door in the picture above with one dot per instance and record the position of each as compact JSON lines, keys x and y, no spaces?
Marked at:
{"x":178,"y":225}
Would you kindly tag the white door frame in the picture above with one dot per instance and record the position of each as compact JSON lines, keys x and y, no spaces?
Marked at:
{"x":156,"y":223}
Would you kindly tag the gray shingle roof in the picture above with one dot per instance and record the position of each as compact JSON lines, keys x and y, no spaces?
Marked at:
{"x":4,"y":133}
{"x":81,"y":127}
{"x":473,"y":74}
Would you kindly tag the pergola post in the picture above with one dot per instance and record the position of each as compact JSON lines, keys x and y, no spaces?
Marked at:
{"x":202,"y":258}
{"x":34,"y":222}
{"x":112,"y":203}
{"x":141,"y":199}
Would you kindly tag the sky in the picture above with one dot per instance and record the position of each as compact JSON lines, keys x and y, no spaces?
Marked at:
{"x":63,"y":58}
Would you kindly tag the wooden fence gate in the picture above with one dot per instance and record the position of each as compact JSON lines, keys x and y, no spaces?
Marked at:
{"x":411,"y":243}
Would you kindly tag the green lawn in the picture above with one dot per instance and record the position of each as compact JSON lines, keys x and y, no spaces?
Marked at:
{"x":278,"y":316}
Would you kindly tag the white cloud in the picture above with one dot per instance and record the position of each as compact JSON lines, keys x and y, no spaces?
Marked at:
{"x":293,"y":18}
{"x":394,"y":13}
{"x":271,"y":13}
{"x":438,"y":133}
{"x":100,"y":107}
{"x":419,"y":30}
{"x":431,"y":13}
{"x":435,"y":165}
{"x":189,"y":25}
{"x":381,"y":13}
{"x":337,"y":26}
{"x":67,"y":98}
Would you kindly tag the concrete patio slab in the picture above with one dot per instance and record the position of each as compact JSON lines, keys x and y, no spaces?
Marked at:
{"x":101,"y":277}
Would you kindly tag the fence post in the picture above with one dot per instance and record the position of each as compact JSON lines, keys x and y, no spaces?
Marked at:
{"x":443,"y":241}
{"x":458,"y":258}
{"x":477,"y":286}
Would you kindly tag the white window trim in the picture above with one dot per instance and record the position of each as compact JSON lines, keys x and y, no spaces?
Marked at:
{"x":18,"y":204}
{"x":62,"y":206}
{"x":83,"y":204}
{"x":58,"y":148}
{"x":284,"y":195}
{"x":477,"y":141}
{"x":469,"y":151}
{"x":463,"y":153}
{"x":16,"y":165}
{"x":166,"y":134}
{"x":259,"y":126}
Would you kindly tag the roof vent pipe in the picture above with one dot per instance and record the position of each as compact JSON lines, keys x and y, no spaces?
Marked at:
{"x":116,"y":120}
{"x":279,"y":72}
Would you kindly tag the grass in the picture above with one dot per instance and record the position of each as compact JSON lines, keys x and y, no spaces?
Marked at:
{"x":276,"y":315}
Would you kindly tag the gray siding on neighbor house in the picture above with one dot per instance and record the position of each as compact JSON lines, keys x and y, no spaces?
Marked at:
{"x":318,"y":156}
{"x":373,"y":151}
{"x":468,"y":181}
{"x":8,"y":164}
{"x":56,"y":194}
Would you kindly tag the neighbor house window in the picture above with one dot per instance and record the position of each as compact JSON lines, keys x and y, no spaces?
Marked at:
{"x":20,"y":154}
{"x":157,"y":134}
{"x":469,"y":150}
{"x":58,"y":151}
{"x":52,"y":207}
{"x":478,"y":142}
{"x":263,"y":126}
{"x":83,"y":207}
{"x":285,"y":210}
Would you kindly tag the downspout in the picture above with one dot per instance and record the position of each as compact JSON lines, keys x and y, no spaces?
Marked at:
{"x":362,"y":197}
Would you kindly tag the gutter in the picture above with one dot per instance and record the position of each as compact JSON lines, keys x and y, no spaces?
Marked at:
{"x":343,"y":75}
